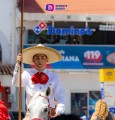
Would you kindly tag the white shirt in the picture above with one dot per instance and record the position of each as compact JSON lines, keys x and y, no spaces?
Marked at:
{"x":57,"y":91}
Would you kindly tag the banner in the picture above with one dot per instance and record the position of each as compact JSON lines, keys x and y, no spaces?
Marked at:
{"x":83,"y":57}
{"x":107,"y":79}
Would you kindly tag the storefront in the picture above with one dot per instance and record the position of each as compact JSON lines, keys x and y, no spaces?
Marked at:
{"x":79,"y":74}
{"x":83,"y":55}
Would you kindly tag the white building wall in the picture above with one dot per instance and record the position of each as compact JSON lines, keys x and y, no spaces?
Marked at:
{"x":7,"y":31}
{"x":6,"y":81}
{"x":78,"y":82}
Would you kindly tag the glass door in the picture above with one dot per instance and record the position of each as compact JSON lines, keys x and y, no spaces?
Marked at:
{"x":79,"y":104}
{"x":94,"y":96}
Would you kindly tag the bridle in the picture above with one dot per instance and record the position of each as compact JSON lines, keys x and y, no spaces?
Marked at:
{"x":48,"y":107}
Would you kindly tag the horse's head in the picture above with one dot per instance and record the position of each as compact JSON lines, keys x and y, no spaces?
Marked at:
{"x":39,"y":105}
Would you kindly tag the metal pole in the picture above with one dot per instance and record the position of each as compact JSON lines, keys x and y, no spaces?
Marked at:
{"x":20,"y":71}
{"x":52,"y":36}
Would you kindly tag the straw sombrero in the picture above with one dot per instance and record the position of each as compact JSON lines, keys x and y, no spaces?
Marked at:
{"x":52,"y":54}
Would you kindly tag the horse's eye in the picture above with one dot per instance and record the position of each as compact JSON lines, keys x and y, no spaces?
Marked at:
{"x":28,"y":110}
{"x":46,"y":109}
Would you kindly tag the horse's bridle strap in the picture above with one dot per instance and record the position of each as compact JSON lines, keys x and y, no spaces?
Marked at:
{"x":35,"y":119}
{"x":48,"y":108}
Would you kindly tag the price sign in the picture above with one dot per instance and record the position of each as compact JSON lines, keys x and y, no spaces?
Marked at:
{"x":93,"y":56}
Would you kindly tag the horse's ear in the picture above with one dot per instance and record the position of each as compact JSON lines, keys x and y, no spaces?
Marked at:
{"x":48,"y":90}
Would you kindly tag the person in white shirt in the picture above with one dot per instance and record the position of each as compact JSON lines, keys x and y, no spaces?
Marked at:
{"x":39,"y":78}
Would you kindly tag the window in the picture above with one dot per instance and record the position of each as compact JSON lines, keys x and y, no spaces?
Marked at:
{"x":98,"y":37}
{"x":43,"y":38}
{"x":36,"y":39}
{"x":83,"y":103}
{"x":79,"y":104}
{"x":94,"y":96}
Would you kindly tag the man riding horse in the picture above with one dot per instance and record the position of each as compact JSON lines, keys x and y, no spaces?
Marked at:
{"x":39,"y":78}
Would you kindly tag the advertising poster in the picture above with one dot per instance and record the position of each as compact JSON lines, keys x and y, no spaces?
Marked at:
{"x":107,"y":79}
{"x":83,"y":57}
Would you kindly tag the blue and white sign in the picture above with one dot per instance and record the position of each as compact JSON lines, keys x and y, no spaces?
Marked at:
{"x":83,"y":57}
{"x":69,"y":60}
{"x":61,"y":31}
{"x":102,"y":94}
{"x":68,"y":31}
{"x":96,"y":57}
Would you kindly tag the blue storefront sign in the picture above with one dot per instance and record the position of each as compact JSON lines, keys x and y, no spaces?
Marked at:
{"x":96,"y":57}
{"x":61,"y":31}
{"x":83,"y":57}
{"x":68,"y":31}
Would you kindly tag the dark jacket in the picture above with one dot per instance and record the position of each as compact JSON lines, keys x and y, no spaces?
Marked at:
{"x":110,"y":116}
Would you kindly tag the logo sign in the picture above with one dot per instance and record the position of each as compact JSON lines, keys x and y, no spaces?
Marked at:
{"x":52,"y":7}
{"x":69,"y":31}
{"x":61,"y":31}
{"x":107,"y":27}
{"x":92,"y":57}
{"x":40,"y":27}
{"x":107,"y":75}
{"x":49,"y":7}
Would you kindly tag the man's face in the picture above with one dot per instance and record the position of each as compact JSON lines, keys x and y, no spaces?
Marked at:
{"x":40,"y":60}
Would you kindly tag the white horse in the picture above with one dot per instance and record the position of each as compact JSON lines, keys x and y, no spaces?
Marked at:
{"x":39,"y":107}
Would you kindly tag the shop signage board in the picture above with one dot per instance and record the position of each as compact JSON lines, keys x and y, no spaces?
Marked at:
{"x":107,"y":27}
{"x":83,"y":57}
{"x":107,"y":75}
{"x":51,"y":30}
{"x":107,"y":79}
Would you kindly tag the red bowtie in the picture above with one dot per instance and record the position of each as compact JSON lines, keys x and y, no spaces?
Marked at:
{"x":41,"y":78}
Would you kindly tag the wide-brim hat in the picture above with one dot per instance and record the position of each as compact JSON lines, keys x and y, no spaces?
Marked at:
{"x":52,"y":54}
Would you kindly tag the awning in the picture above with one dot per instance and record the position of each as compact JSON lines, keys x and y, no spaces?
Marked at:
{"x":74,"y":10}
{"x":72,"y":6}
{"x":6,"y":69}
